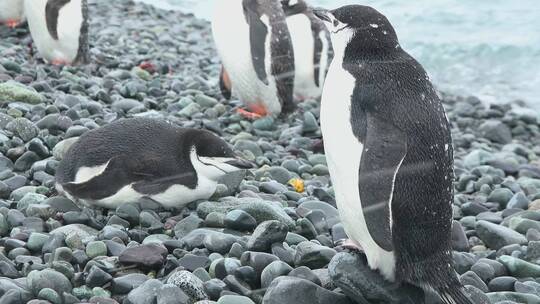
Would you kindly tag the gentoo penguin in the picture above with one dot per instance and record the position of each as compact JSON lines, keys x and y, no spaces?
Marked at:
{"x":312,"y":49}
{"x":141,"y":157}
{"x":11,"y":12}
{"x":59,"y":29}
{"x":257,"y":55}
{"x":389,"y":150}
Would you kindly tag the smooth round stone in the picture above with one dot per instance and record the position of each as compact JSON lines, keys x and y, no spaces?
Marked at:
{"x":484,"y":271}
{"x":502,"y":284}
{"x":266,"y":234}
{"x":38,"y":280}
{"x":50,"y":295}
{"x":189,"y":283}
{"x":274,"y":270}
{"x":145,"y":293}
{"x":518,"y":201}
{"x":128,"y":282}
{"x":95,"y":249}
{"x":222,"y":267}
{"x":305,"y":273}
{"x":97,"y":277}
{"x":214,"y":288}
{"x":313,"y":255}
{"x":30,"y":199}
{"x":36,"y":241}
{"x":471,"y":278}
{"x":170,"y":294}
{"x":192,"y":262}
{"x":240,"y":220}
{"x":230,"y":299}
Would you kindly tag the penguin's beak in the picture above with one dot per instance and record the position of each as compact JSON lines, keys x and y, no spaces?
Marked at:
{"x":322,"y":14}
{"x":240,"y":163}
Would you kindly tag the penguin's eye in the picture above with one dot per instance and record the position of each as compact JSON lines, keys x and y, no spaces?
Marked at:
{"x":336,"y":22}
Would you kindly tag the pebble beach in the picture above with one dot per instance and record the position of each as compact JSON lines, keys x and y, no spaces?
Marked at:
{"x":270,"y":235}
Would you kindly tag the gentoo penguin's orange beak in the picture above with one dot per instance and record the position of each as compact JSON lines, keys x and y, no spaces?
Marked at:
{"x":322,"y":14}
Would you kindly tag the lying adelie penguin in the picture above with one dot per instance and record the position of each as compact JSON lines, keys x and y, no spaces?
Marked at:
{"x":11,"y":12}
{"x":59,"y":29}
{"x":257,"y":55}
{"x":389,"y":150}
{"x":312,"y":49}
{"x":140,"y":157}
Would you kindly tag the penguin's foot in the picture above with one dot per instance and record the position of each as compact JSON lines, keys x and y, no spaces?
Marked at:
{"x":248,"y":115}
{"x":59,"y":62}
{"x":256,"y":111}
{"x":351,"y":245}
{"x":13,"y":23}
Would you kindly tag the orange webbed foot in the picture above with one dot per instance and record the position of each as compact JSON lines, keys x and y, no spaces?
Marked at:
{"x":59,"y":62}
{"x":12,"y":23}
{"x":256,"y":111}
{"x":249,"y":115}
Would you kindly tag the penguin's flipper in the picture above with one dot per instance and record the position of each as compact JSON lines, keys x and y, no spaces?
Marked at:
{"x":385,"y":147}
{"x":112,"y":179}
{"x":258,"y":32}
{"x":225,"y":84}
{"x":52,"y":11}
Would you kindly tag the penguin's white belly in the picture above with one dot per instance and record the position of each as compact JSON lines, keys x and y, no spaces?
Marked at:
{"x":70,"y":19}
{"x":343,"y":153}
{"x":11,"y":10}
{"x":176,"y":196}
{"x":231,"y":34}
{"x":304,"y":56}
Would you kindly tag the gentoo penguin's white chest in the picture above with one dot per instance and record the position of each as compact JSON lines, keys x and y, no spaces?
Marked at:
{"x":343,"y":153}
{"x":232,"y":37}
{"x":65,"y":47}
{"x":11,"y":11}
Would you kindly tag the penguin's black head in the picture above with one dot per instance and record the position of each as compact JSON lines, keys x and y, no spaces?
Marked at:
{"x":212,"y":156}
{"x":293,"y":7}
{"x":359,"y":27}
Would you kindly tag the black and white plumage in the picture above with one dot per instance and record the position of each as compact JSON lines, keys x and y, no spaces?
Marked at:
{"x":134,"y":158}
{"x":59,"y":29}
{"x":312,"y":48}
{"x":255,"y":47}
{"x":11,"y":12}
{"x":389,"y":150}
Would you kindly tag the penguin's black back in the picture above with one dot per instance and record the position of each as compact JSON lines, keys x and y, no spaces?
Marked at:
{"x":143,"y":150}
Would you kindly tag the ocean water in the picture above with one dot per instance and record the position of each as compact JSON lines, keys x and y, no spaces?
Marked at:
{"x":489,"y":49}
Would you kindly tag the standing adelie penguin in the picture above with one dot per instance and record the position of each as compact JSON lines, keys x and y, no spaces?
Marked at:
{"x":312,"y":49}
{"x":59,"y":29}
{"x":140,"y":157}
{"x":257,"y":55}
{"x":389,"y":152}
{"x":11,"y":12}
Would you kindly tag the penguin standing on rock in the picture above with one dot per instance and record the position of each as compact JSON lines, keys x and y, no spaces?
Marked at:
{"x":59,"y":29}
{"x":312,"y":49}
{"x":11,"y":12}
{"x":255,"y":47}
{"x":389,"y":150}
{"x":140,"y":157}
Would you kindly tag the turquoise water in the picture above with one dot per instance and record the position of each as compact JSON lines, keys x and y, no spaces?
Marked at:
{"x":486,"y":48}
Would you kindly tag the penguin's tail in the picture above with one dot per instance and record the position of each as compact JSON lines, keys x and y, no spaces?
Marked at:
{"x":434,"y":275}
{"x":454,"y":296}
{"x":446,"y":284}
